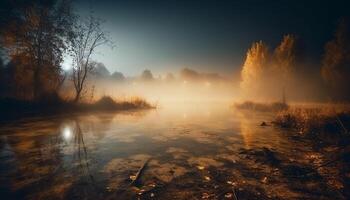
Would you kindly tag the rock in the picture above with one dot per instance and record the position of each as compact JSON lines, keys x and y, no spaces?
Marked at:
{"x":263,"y":124}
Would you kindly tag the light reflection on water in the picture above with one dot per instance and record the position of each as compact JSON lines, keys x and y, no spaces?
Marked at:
{"x":67,"y":133}
{"x":190,"y":147}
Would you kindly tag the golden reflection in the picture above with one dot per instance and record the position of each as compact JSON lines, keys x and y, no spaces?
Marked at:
{"x":256,"y":136}
{"x":246,"y":131}
{"x":107,"y":150}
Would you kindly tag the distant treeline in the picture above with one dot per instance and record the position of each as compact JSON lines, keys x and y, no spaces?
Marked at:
{"x":36,"y":35}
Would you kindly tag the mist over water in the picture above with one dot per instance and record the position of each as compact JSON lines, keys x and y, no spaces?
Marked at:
{"x":188,"y":143}
{"x":242,"y":100}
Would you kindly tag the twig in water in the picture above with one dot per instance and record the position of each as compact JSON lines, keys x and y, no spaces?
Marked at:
{"x":135,"y":182}
{"x":234,"y":193}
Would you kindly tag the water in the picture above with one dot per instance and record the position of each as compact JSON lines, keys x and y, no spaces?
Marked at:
{"x":191,"y":150}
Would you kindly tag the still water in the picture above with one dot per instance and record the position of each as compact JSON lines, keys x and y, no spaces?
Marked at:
{"x":184,"y":150}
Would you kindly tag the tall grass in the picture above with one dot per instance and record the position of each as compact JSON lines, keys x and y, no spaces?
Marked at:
{"x":315,"y":121}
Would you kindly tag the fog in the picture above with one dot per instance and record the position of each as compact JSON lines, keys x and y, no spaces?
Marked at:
{"x":185,"y":85}
{"x":268,"y":74}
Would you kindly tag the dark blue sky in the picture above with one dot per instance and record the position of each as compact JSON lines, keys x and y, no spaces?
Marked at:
{"x":207,"y":35}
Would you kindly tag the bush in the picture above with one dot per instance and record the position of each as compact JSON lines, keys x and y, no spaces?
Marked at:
{"x":107,"y":102}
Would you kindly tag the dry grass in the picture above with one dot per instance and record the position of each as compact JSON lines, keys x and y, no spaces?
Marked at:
{"x":107,"y":102}
{"x":315,"y":121}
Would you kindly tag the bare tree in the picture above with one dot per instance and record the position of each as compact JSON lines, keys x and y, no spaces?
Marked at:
{"x":87,"y":37}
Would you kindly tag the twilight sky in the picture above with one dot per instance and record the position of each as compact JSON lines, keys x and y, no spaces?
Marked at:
{"x":212,"y":36}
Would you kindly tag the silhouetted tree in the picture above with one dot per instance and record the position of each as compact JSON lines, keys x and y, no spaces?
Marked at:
{"x":189,"y":74}
{"x":36,"y":38}
{"x":169,"y":77}
{"x":100,"y":70}
{"x":336,"y":62}
{"x":147,"y":75}
{"x":2,"y":81}
{"x":118,"y":76}
{"x":88,"y":35}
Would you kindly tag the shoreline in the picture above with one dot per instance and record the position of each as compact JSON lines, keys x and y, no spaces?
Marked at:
{"x":12,"y":110}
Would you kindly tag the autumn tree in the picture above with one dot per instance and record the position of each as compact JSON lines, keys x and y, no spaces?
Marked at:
{"x":265,"y":74}
{"x":336,"y":63}
{"x":255,"y":69}
{"x":88,"y":35}
{"x":35,"y":40}
{"x":286,"y":56}
{"x":287,"y":59}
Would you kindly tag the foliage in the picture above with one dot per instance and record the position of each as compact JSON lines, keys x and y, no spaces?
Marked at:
{"x":336,"y":62}
{"x":255,"y":67}
{"x":265,"y":74}
{"x":35,"y":41}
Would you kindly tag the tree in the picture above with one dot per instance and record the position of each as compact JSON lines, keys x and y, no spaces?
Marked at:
{"x":286,"y":55}
{"x":336,"y":62}
{"x":1,"y":76}
{"x":147,"y":75}
{"x":118,"y":76}
{"x":88,"y":35}
{"x":100,"y":70}
{"x":189,"y":74}
{"x":266,"y":75}
{"x":169,"y":77}
{"x":286,"y":59}
{"x":255,"y":68}
{"x":35,"y":39}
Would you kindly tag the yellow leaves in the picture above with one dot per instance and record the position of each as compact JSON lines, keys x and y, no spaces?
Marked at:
{"x":265,"y":72}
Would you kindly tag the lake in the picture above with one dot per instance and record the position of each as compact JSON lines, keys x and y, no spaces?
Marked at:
{"x":182,"y":150}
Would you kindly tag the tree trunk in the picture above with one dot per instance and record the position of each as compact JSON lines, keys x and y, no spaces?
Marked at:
{"x":77,"y":96}
{"x":36,"y":86}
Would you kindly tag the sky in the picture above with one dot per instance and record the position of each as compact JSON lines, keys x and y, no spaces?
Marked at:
{"x":208,"y":36}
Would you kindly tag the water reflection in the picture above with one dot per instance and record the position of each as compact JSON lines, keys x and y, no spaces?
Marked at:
{"x":192,"y":151}
{"x":67,"y":133}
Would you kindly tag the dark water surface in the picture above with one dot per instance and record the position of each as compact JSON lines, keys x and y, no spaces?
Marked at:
{"x":188,"y":150}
